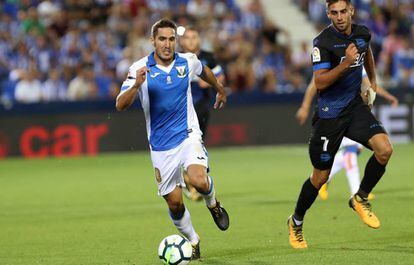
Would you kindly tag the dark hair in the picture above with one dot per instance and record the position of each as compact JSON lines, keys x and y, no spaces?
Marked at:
{"x":330,"y":2}
{"x":191,"y":28}
{"x":162,"y":23}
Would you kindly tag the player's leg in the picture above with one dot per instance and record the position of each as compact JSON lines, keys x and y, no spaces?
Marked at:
{"x":352,"y":170}
{"x":195,"y":160}
{"x":169,"y":180}
{"x":205,"y":186}
{"x":180,"y":215}
{"x":366,"y":130}
{"x":324,"y":143}
{"x":337,"y":166}
{"x":376,"y":165}
{"x":203,"y":116}
{"x":189,"y":190}
{"x":181,"y":218}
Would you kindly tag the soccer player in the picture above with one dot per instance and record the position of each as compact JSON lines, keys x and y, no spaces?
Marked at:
{"x":340,"y":51}
{"x":190,"y":42}
{"x":346,"y":157}
{"x":162,"y":82}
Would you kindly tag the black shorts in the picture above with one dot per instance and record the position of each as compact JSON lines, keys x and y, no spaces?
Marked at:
{"x":202,"y":109}
{"x":355,"y":122}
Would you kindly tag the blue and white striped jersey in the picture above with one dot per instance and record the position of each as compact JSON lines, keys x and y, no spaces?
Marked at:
{"x":166,"y":99}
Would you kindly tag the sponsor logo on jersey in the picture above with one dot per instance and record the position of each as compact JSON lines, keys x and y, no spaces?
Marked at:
{"x":181,"y":71}
{"x":169,"y":80}
{"x":316,"y":55}
{"x":158,"y":175}
{"x":360,"y":43}
{"x":340,"y":45}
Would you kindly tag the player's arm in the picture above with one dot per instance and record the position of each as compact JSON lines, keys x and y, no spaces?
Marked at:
{"x":387,"y":96}
{"x":218,"y":72}
{"x":208,"y":76}
{"x":303,"y":112}
{"x":382,"y":92}
{"x":369,"y":65}
{"x":127,"y":96}
{"x":326,"y":77}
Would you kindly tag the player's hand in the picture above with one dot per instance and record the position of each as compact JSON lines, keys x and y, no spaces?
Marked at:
{"x":351,"y":54}
{"x":393,"y":101}
{"x":141,"y":76}
{"x":221,"y":100}
{"x":370,"y":96}
{"x":301,"y":115}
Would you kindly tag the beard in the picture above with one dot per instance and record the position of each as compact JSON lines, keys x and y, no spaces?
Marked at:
{"x":165,"y":58}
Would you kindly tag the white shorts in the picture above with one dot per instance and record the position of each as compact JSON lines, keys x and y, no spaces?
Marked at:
{"x":168,"y":165}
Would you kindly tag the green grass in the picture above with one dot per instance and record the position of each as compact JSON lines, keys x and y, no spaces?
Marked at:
{"x":104,"y":210}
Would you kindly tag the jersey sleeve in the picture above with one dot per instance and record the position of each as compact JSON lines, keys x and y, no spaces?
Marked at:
{"x":132,"y":74}
{"x":320,"y":56}
{"x":194,"y":64}
{"x":130,"y":79}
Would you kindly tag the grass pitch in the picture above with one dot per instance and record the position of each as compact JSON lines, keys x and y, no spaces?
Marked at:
{"x":104,"y":210}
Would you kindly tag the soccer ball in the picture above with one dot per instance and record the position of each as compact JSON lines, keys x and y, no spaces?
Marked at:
{"x":175,"y":250}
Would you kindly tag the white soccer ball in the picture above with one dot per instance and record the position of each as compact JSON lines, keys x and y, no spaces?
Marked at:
{"x":175,"y":250}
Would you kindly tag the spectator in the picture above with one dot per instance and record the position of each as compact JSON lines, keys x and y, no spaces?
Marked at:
{"x":54,"y":88}
{"x":29,"y":88}
{"x":198,"y":8}
{"x":403,"y":60}
{"x":31,"y":23}
{"x":123,"y":65}
{"x":83,"y":86}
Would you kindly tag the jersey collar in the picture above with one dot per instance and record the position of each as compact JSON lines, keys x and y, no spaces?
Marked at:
{"x":342,"y":35}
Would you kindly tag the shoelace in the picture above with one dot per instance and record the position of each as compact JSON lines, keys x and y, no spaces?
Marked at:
{"x":366,"y":206}
{"x":298,"y":233}
{"x":217,"y":210}
{"x":194,"y":251}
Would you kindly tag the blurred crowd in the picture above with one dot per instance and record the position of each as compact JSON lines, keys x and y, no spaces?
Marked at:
{"x":392,"y":27}
{"x":71,"y":50}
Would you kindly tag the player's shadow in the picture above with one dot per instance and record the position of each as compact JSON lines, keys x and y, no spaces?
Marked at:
{"x":390,"y":249}
{"x":393,"y":190}
{"x":238,"y":254}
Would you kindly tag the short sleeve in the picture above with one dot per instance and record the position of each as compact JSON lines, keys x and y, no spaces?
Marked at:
{"x":195,"y":65}
{"x":130,"y":79}
{"x":132,"y":74}
{"x":320,"y":57}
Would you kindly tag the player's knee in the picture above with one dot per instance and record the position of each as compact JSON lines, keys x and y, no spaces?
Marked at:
{"x":176,"y":207}
{"x":318,"y":180}
{"x":384,"y":154}
{"x":198,"y":178}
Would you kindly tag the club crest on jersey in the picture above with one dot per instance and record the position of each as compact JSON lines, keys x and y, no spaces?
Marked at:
{"x":316,"y":55}
{"x":158,"y":175}
{"x":181,"y":71}
{"x":169,"y":81}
